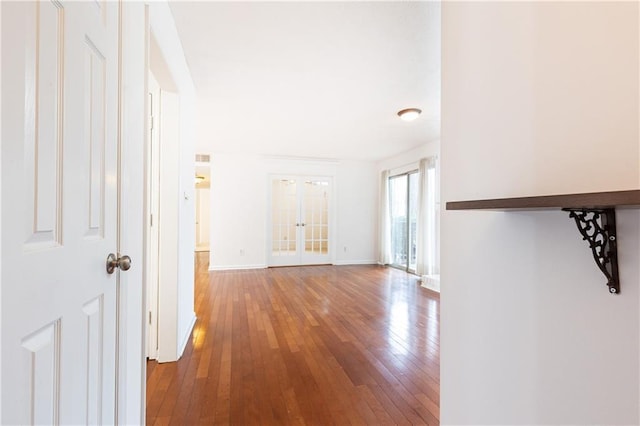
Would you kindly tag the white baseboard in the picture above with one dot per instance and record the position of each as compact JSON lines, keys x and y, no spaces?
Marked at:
{"x":187,"y":334}
{"x":432,"y":282}
{"x":235,"y":267}
{"x":241,"y":267}
{"x":355,"y":262}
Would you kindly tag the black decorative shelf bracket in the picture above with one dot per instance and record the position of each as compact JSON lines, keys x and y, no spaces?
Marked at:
{"x":598,"y":228}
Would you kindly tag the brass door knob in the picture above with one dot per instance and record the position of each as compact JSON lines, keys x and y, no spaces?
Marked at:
{"x":113,"y":262}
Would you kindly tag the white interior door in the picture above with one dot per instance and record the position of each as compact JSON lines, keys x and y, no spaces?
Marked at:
{"x":300,"y":221}
{"x":59,"y":222}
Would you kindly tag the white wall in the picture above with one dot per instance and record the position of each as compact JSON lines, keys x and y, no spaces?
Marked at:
{"x":238,"y":212}
{"x":356,"y":185}
{"x":168,"y":222}
{"x":537,"y":98}
{"x":166,"y":36}
{"x":239,"y":191}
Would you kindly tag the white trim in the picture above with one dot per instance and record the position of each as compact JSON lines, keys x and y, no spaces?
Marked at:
{"x":185,"y":338}
{"x":431,"y":282}
{"x":355,"y":262}
{"x":145,"y":246}
{"x":236,"y":267}
{"x":1,"y":253}
{"x":131,"y":370}
{"x":277,"y":159}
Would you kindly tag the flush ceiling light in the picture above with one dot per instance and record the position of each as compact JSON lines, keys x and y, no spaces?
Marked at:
{"x":409,"y":114}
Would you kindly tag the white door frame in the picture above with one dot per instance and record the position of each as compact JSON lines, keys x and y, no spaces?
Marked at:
{"x":0,"y":270}
{"x":131,"y":326}
{"x":152,"y":215}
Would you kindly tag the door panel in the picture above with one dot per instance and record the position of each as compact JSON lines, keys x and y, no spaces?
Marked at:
{"x":398,"y":200}
{"x":315,"y":207}
{"x":59,"y":166}
{"x":284,"y":222}
{"x":403,"y":198}
{"x":43,"y":126}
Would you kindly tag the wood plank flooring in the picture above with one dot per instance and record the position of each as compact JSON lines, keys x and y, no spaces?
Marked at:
{"x":314,"y":345}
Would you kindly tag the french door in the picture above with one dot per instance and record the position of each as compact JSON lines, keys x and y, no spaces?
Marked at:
{"x":299,"y":221}
{"x":403,"y":200}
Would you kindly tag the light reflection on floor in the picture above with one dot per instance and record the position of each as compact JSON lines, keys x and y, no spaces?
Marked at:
{"x":401,"y":290}
{"x":399,"y":327}
{"x":432,"y":329}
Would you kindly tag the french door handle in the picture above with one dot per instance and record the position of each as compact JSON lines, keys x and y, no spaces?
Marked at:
{"x":302,"y":224}
{"x":113,"y":262}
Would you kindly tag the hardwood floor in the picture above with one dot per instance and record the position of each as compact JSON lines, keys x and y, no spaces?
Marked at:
{"x":306,"y":345}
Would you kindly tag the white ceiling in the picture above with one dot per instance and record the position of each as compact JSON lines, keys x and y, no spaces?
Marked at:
{"x":313,"y":79}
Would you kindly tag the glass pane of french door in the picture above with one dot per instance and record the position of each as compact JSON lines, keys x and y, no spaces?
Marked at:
{"x":316,"y":217}
{"x":284,"y":216}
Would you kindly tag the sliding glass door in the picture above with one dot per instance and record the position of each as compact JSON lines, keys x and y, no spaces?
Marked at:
{"x":403,"y":199}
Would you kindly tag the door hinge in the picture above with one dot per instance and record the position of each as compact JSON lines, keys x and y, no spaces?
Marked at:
{"x":151,"y":125}
{"x":151,"y":220}
{"x":149,"y":317}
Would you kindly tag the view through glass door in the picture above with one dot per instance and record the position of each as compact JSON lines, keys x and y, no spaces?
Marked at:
{"x":299,"y":221}
{"x":403,"y":199}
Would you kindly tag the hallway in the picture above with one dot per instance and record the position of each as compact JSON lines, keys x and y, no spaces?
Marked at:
{"x":306,"y":345}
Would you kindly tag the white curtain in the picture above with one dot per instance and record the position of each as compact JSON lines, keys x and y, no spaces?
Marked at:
{"x":384,"y":246}
{"x":427,"y":229}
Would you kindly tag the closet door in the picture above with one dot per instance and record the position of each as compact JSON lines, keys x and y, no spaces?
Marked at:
{"x":299,"y":221}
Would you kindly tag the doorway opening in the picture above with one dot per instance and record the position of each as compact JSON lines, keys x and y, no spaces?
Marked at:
{"x":162,"y":202}
{"x":203,"y":202}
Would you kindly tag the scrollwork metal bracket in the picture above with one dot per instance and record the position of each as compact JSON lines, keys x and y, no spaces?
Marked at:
{"x":598,"y":228}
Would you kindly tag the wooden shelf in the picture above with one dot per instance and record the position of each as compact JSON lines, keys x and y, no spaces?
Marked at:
{"x":594,"y":214}
{"x":593,"y":200}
